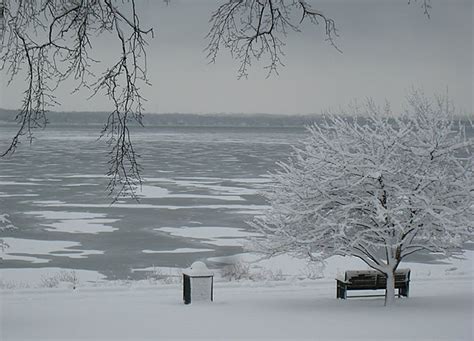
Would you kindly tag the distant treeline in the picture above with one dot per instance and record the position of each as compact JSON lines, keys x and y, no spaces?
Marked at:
{"x":88,"y":118}
{"x":174,"y":119}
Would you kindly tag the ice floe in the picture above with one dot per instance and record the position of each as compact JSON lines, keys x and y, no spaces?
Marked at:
{"x":155,"y":192}
{"x":214,"y":235}
{"x":27,"y":249}
{"x":180,"y":250}
{"x":75,"y":222}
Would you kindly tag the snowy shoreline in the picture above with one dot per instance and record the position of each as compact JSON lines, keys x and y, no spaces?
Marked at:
{"x":253,"y":269}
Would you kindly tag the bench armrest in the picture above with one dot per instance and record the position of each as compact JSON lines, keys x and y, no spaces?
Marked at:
{"x":342,"y":281}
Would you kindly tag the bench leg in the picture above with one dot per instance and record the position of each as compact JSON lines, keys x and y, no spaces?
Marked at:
{"x":404,"y":291}
{"x":341,"y":293}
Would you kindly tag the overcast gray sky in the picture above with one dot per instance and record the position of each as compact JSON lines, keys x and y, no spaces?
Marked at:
{"x":388,"y":47}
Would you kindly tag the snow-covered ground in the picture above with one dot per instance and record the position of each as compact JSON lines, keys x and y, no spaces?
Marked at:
{"x":440,"y":307}
{"x":436,"y":310}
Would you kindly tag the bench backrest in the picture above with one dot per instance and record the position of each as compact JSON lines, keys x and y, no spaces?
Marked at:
{"x":362,"y":279}
{"x":375,"y":279}
{"x":402,"y":276}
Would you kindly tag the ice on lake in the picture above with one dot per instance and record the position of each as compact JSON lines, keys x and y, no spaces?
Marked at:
{"x":200,"y":183}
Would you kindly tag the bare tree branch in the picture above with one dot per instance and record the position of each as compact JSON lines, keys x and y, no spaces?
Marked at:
{"x":425,"y":6}
{"x":254,"y":29}
{"x":50,"y":41}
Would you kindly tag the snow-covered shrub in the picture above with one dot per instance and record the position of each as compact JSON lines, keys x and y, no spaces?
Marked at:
{"x":271,"y":275}
{"x":49,"y":282}
{"x":164,"y":277}
{"x":236,"y":271}
{"x":62,"y":278}
{"x":5,"y":224}
{"x":3,"y":245}
{"x":11,"y":285}
{"x":243,"y":271}
{"x":312,"y":271}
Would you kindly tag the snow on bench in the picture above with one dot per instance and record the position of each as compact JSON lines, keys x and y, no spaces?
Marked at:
{"x":371,"y":280}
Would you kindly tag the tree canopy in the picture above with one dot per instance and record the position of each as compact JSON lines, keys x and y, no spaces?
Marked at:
{"x":376,"y":186}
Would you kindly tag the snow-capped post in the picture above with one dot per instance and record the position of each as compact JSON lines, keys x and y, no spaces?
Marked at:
{"x":198,"y":283}
{"x":376,"y":186}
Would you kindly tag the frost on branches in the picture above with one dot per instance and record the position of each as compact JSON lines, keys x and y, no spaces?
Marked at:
{"x":375,"y":186}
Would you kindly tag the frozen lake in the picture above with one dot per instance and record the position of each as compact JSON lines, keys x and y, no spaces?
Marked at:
{"x":200,"y":187}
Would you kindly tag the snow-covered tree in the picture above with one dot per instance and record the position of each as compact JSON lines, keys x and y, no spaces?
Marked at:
{"x":375,"y":186}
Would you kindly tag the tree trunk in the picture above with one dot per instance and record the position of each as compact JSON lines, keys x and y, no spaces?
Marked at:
{"x":390,"y":289}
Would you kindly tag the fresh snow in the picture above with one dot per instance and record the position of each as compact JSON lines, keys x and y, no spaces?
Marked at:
{"x":440,"y":310}
{"x":33,"y":277}
{"x":439,"y":307}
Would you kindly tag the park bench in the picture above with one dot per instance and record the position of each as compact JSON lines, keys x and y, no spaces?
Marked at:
{"x":371,"y":280}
